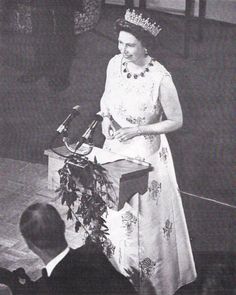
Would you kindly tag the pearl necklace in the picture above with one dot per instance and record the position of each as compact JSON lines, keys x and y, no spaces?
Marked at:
{"x":141,"y":74}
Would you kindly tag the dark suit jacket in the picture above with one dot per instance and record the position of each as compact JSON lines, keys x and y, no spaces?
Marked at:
{"x":83,"y":272}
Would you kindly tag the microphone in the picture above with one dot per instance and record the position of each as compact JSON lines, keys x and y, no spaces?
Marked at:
{"x":89,"y":132}
{"x":72,"y":115}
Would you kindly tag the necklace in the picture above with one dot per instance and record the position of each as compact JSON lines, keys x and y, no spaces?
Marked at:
{"x":141,"y":74}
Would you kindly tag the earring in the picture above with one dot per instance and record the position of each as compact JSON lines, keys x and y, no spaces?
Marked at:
{"x":145,"y":51}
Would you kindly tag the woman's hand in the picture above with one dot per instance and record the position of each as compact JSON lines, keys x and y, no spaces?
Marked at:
{"x":108,"y":128}
{"x":127,"y":133}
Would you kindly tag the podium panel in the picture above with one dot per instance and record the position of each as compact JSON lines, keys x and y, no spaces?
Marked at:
{"x":128,"y":176}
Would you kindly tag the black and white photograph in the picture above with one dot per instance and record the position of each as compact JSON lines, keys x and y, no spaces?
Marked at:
{"x":117,"y":144}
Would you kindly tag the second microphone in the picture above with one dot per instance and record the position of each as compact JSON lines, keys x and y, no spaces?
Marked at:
{"x":89,"y":132}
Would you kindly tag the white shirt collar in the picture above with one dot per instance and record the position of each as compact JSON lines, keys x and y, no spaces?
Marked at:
{"x":53,"y":263}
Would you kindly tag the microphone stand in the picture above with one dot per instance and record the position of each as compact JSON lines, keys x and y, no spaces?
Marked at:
{"x":78,"y":158}
{"x":76,"y":151}
{"x":87,"y":138}
{"x":65,"y":133}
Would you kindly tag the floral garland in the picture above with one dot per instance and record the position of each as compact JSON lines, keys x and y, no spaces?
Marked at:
{"x":85,"y":189}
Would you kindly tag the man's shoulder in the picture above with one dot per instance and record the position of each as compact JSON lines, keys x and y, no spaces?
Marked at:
{"x":87,"y":269}
{"x":86,"y":255}
{"x":86,"y":251}
{"x":116,"y":282}
{"x":97,"y":264}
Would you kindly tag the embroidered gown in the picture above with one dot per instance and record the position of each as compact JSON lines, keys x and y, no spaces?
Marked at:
{"x":149,"y":233}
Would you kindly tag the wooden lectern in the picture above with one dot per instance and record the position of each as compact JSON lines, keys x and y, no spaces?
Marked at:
{"x":128,"y":176}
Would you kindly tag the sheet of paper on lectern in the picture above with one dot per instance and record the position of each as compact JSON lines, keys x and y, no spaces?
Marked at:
{"x":104,"y":156}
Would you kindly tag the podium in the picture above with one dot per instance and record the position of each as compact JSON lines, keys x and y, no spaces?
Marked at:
{"x":128,"y":176}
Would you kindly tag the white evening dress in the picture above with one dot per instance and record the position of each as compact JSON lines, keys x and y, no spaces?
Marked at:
{"x":149,"y":234}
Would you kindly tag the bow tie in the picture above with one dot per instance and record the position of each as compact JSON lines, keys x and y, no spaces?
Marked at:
{"x":44,"y":273}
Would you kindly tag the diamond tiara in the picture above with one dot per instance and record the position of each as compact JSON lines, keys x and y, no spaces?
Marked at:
{"x":145,"y":23}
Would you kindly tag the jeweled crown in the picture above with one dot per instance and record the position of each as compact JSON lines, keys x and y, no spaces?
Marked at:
{"x":145,"y":23}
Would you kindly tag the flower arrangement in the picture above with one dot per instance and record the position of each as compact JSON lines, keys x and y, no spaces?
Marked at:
{"x":85,"y":189}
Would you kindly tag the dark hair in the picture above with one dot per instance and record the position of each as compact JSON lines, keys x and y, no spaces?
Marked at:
{"x":146,"y":38}
{"x":42,"y":225}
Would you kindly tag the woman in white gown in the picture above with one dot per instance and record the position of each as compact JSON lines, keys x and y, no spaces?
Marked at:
{"x":149,"y":234}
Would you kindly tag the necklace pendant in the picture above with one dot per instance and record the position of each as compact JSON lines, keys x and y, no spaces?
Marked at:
{"x":142,"y":74}
{"x":135,"y":76}
{"x":128,"y":75}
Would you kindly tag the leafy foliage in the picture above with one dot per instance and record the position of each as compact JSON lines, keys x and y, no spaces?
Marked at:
{"x":85,"y":189}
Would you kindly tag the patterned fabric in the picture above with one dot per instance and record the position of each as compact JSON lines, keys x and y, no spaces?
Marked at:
{"x":149,"y":234}
{"x":22,"y":17}
{"x":87,"y":19}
